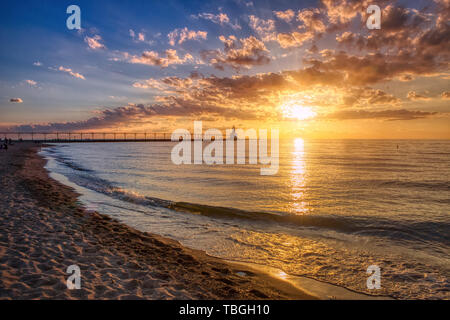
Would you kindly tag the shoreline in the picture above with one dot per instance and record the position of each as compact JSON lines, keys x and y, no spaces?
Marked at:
{"x":46,"y":230}
{"x":317,"y":288}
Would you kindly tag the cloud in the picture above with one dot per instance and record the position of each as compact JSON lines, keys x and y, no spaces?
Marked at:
{"x":412,"y":95}
{"x":312,"y":20}
{"x":311,"y":28}
{"x":365,"y":97}
{"x":31,"y":82}
{"x":264,"y":93}
{"x":153,"y":58}
{"x":238,"y":54}
{"x":108,"y":118}
{"x":181,"y":35}
{"x":94,"y":42}
{"x":412,"y":42}
{"x":16,"y":100}
{"x":72,"y":73}
{"x":294,"y":39}
{"x":220,"y":18}
{"x":265,"y":29}
{"x":286,"y":15}
{"x":341,"y":12}
{"x":140,"y":36}
{"x":392,"y":115}
{"x":373,"y":68}
{"x":150,"y":84}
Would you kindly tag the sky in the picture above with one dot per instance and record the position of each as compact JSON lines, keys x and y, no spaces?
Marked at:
{"x":311,"y":69}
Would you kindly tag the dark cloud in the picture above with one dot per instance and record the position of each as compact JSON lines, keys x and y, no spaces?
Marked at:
{"x":237,"y":54}
{"x":401,"y":114}
{"x":134,"y":114}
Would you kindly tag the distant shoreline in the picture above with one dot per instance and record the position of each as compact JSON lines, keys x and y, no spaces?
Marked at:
{"x":46,"y":230}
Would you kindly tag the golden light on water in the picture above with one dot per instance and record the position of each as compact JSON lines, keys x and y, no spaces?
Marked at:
{"x":282,"y":274}
{"x":297,"y":175}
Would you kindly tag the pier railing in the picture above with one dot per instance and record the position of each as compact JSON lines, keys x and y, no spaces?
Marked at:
{"x":94,"y":136}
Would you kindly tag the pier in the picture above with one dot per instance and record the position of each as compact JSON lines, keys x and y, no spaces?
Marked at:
{"x":71,"y":137}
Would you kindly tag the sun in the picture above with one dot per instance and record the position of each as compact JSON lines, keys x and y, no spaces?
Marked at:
{"x":297,"y":111}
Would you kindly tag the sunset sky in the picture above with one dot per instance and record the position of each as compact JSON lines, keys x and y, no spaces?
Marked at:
{"x":310,"y":68}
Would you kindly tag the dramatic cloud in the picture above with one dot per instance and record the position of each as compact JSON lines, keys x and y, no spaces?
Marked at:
{"x":238,"y":54}
{"x":311,"y":20}
{"x":268,"y":91}
{"x":94,"y":42}
{"x":411,"y":43}
{"x":72,"y":73}
{"x":311,"y":28}
{"x":153,"y":58}
{"x":181,"y":35}
{"x":347,"y":71}
{"x":341,"y":12}
{"x":220,"y":18}
{"x":373,"y":68}
{"x":401,"y":114}
{"x":108,"y":118}
{"x":16,"y":100}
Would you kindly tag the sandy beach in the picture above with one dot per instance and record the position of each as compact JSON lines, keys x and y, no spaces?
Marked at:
{"x":43,"y":230}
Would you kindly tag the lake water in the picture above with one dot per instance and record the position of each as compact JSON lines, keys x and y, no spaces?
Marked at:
{"x":334,"y":208}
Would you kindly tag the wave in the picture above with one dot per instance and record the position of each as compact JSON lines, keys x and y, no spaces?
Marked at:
{"x":430,"y":185}
{"x":369,"y":226}
{"x":65,"y":161}
{"x":372,"y":226}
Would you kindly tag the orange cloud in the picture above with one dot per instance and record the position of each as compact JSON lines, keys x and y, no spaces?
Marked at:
{"x":181,"y":35}
{"x":286,"y":15}
{"x":94,"y":42}
{"x":153,"y":58}
{"x":71,"y":72}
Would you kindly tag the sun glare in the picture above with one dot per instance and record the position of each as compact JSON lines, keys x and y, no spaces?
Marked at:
{"x":297,"y":111}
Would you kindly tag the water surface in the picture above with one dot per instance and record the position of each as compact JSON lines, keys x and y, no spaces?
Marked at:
{"x":334,"y":207}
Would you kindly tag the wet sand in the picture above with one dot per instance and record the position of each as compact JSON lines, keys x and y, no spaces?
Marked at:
{"x":43,"y":230}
